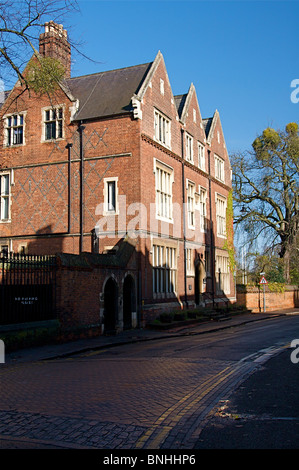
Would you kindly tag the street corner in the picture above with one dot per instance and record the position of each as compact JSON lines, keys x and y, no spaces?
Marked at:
{"x":257,"y":415}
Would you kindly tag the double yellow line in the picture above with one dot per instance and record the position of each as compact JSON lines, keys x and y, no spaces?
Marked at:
{"x":147,"y":441}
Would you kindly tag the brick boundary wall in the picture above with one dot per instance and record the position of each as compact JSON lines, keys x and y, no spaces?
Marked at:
{"x":80,"y":287}
{"x":252,"y":298}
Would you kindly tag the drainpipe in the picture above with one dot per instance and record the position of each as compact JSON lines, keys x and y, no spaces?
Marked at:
{"x":211,"y":232}
{"x":80,"y":130}
{"x":69,"y":146}
{"x":184,"y":219}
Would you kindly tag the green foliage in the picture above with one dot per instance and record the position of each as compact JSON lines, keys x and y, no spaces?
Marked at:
{"x":166,"y":317}
{"x":180,"y":316}
{"x":276,"y":273}
{"x":229,"y":242}
{"x":31,"y":336}
{"x":292,"y":141}
{"x":292,"y":128}
{"x":266,"y":143}
{"x":43,"y":74}
{"x":273,"y":267}
{"x":276,"y":287}
{"x":265,"y":184}
{"x":294,"y":275}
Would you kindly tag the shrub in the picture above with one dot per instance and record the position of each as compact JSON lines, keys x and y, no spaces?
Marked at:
{"x":192,"y":314}
{"x":166,"y":317}
{"x":179,"y":316}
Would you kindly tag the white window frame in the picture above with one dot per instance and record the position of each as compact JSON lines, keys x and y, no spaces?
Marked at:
{"x":190,"y":188}
{"x":17,"y":122}
{"x":221,"y":204}
{"x":108,"y":210}
{"x":222,"y":284}
{"x":219,"y":168}
{"x":189,"y":148}
{"x":164,"y":262}
{"x":203,"y":194}
{"x":201,"y":157}
{"x":23,"y":249}
{"x":5,"y":197}
{"x":6,"y":243}
{"x":164,"y":177}
{"x":162,"y":127}
{"x":54,"y":109}
{"x":189,"y":262}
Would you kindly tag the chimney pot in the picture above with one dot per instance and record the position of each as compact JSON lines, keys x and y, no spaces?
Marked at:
{"x":53,"y":43}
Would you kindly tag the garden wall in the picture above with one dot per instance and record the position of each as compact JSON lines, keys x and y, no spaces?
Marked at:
{"x":282,"y":297}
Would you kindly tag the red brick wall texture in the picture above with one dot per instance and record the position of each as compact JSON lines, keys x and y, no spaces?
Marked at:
{"x":253,"y":299}
{"x":46,"y":182}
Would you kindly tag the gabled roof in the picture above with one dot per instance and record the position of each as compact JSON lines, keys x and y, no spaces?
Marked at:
{"x":183,"y":103}
{"x":180,"y":103}
{"x":106,"y":93}
{"x":185,"y":107}
{"x":207,"y":125}
{"x":210,"y":125}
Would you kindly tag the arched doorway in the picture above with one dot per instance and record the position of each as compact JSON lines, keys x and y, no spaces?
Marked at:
{"x":110,"y":306}
{"x":129,"y":303}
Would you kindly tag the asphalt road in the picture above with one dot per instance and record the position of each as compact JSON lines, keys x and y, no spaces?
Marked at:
{"x":263,"y":413}
{"x":235,"y":388}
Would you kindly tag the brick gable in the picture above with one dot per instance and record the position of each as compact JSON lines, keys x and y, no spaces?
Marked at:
{"x":136,"y":141}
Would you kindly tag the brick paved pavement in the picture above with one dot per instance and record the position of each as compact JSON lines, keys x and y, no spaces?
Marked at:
{"x":98,"y":401}
{"x":109,"y":403}
{"x":67,"y":432}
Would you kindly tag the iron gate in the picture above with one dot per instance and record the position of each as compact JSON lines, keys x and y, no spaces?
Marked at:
{"x":27,"y":288}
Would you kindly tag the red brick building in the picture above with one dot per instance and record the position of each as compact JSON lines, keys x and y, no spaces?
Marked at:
{"x":113,"y":157}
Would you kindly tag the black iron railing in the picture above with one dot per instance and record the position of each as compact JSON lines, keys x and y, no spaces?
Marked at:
{"x":27,"y":288}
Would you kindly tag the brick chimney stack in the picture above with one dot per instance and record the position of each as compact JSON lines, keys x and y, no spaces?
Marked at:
{"x":53,"y":43}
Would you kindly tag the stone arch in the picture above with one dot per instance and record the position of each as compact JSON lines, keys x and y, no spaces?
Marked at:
{"x":129,"y":303}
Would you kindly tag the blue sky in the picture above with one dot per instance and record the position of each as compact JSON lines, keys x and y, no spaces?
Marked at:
{"x":241,"y":55}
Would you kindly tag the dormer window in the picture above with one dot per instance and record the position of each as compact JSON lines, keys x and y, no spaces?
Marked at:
{"x":53,"y":119}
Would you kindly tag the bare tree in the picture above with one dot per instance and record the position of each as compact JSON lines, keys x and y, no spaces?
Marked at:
{"x":21,"y":22}
{"x":266,"y":183}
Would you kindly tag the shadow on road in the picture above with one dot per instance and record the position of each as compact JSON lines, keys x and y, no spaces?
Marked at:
{"x":263,"y":413}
